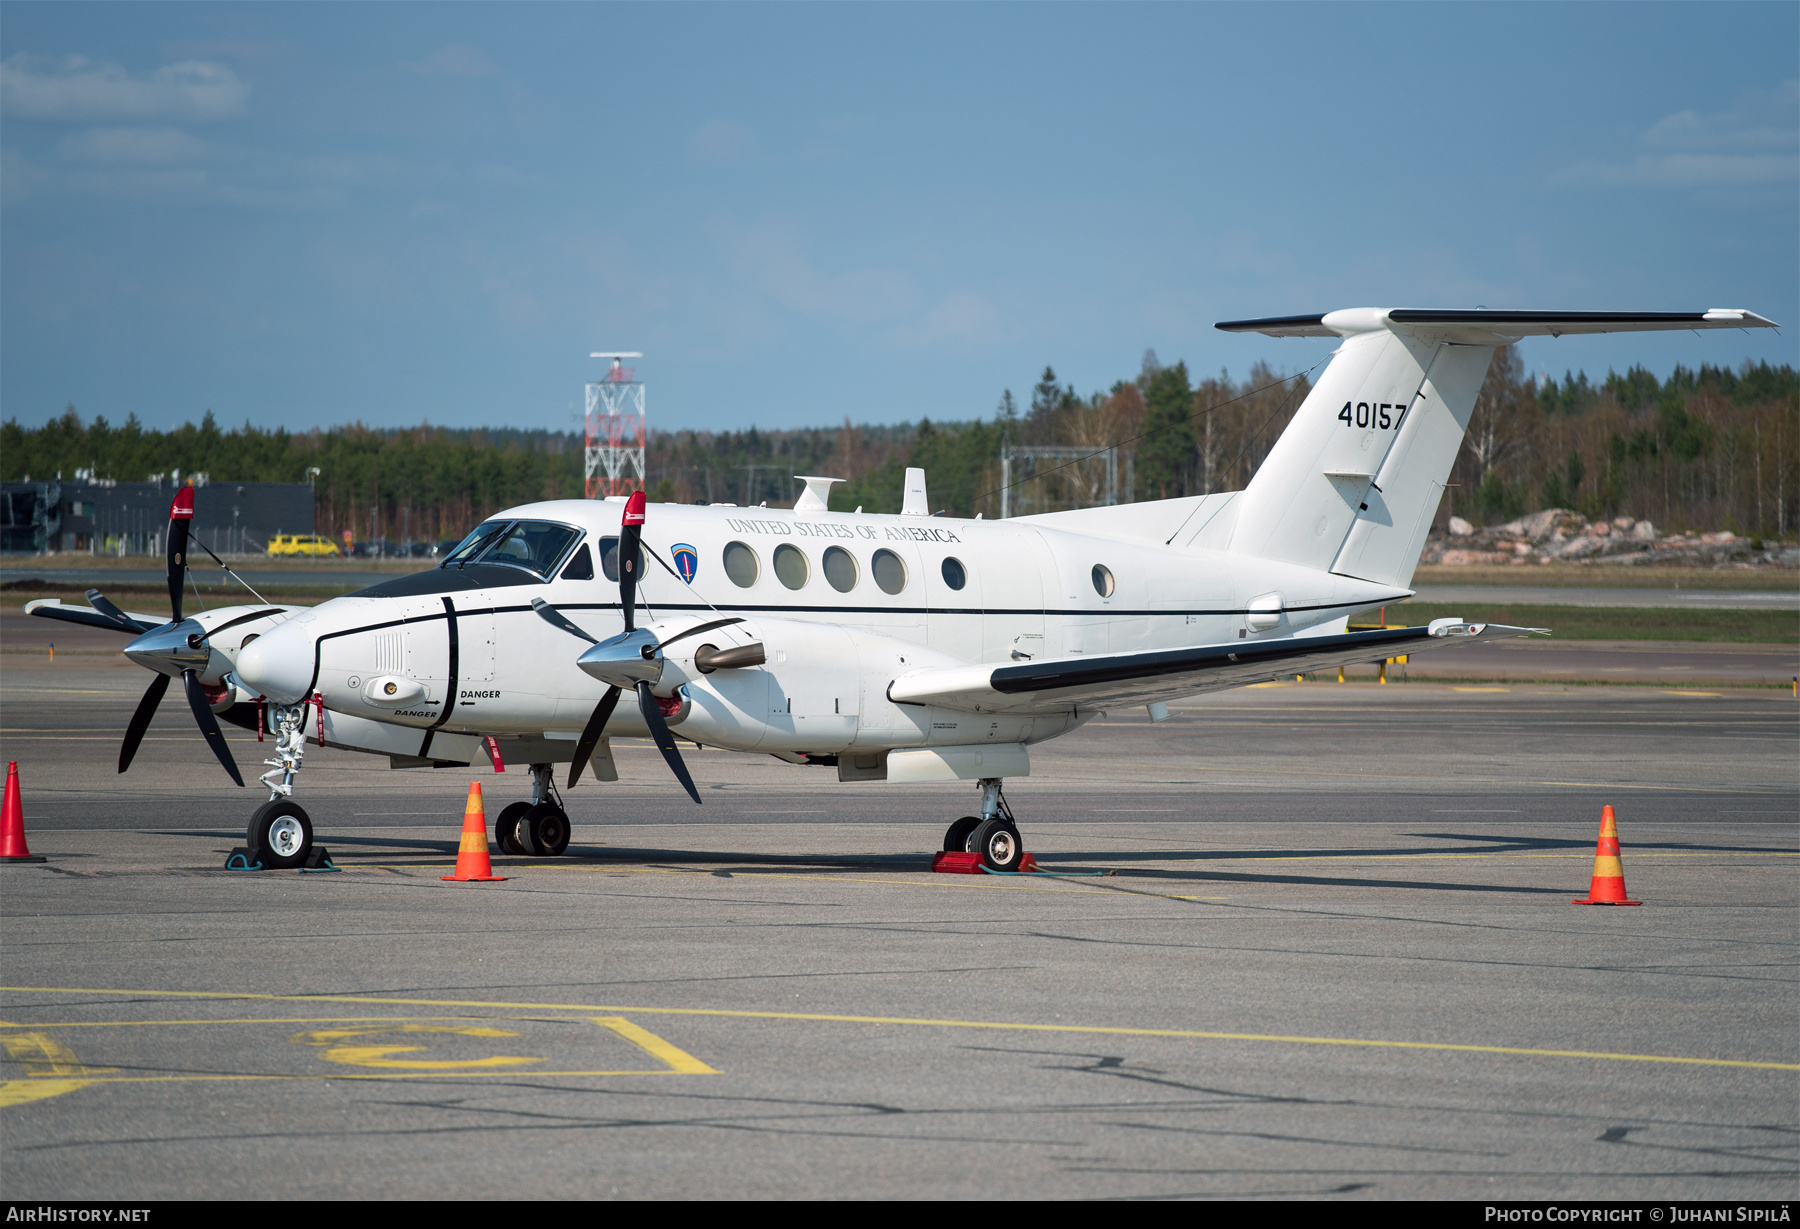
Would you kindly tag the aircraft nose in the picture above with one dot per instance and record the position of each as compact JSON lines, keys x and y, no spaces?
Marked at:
{"x":278,"y":664}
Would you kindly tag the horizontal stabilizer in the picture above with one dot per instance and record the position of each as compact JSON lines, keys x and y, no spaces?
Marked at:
{"x":1114,"y":679}
{"x":1479,"y":326}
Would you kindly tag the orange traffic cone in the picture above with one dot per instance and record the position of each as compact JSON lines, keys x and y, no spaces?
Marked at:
{"x":472,"y":864}
{"x":1608,"y":885}
{"x":12,"y":821}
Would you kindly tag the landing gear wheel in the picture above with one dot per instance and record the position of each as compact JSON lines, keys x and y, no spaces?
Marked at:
{"x":956,"y":836}
{"x":998,"y":844}
{"x":544,"y":830}
{"x":280,"y":834}
{"x":506,"y":829}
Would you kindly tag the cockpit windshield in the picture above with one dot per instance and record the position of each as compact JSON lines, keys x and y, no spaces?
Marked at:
{"x":536,"y":546}
{"x":471,"y":546}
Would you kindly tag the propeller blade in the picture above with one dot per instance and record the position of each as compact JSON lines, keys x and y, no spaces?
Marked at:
{"x":181,"y":514}
{"x":665,"y":741}
{"x":209,"y":725}
{"x":140,"y":720}
{"x":590,"y":733}
{"x":556,"y":618}
{"x":715,"y":625}
{"x":631,"y":536}
{"x":126,"y":623}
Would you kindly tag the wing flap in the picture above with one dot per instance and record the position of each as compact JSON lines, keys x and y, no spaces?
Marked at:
{"x":1059,"y":684}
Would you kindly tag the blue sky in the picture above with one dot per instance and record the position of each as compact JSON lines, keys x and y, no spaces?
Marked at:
{"x":308,"y":214}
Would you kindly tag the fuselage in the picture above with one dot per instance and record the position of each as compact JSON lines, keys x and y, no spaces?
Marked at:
{"x":842,"y":602}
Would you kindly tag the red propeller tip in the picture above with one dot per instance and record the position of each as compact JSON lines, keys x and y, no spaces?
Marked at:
{"x":183,"y":506}
{"x":634,"y":509}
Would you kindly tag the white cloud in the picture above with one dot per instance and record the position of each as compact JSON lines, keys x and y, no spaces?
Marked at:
{"x":458,"y":60}
{"x":79,"y":89}
{"x":134,"y":147}
{"x":1753,"y":143}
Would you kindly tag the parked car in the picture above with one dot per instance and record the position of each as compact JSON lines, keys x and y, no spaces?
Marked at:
{"x":309,"y":545}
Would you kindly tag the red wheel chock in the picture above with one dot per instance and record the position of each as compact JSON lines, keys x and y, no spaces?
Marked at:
{"x":970,"y":864}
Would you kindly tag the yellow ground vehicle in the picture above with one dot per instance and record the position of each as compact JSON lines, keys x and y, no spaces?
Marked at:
{"x":305,"y":544}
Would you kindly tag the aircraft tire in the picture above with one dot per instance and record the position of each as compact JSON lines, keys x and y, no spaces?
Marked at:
{"x":506,"y":829}
{"x":999,"y":845}
{"x":544,"y":830}
{"x":956,"y":836}
{"x":280,"y":834}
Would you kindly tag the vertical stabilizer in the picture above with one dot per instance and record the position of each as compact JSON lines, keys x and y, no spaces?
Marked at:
{"x":1319,"y":481}
{"x":1353,"y":483}
{"x":1388,"y":535}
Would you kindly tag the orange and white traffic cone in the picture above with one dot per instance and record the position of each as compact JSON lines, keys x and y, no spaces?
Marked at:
{"x":12,"y":821}
{"x":472,"y":864}
{"x":1608,"y":885}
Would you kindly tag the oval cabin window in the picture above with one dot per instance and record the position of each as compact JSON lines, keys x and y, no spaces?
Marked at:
{"x":791,"y":567}
{"x":840,"y":569}
{"x":1103,"y":581}
{"x":890,"y":571}
{"x":954,"y":575}
{"x":741,"y":565}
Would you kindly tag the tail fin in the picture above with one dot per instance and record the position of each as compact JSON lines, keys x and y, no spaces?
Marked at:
{"x":1353,"y":483}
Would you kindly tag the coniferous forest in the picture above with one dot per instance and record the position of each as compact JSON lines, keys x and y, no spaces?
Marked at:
{"x":1709,"y":449}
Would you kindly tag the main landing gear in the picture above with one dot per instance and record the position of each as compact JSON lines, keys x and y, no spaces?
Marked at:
{"x":539,"y":828}
{"x":992,"y":834}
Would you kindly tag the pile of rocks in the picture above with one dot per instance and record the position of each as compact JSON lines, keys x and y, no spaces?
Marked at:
{"x":1558,"y":535}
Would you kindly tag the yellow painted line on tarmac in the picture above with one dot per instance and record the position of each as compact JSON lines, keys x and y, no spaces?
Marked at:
{"x":1709,"y":695}
{"x":49,"y":1064}
{"x":929,"y":1022}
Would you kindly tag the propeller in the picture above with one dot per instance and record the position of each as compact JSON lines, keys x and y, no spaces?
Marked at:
{"x":632,"y":659}
{"x":178,"y":646}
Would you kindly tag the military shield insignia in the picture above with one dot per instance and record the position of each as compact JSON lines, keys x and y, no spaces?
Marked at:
{"x":687,"y":560}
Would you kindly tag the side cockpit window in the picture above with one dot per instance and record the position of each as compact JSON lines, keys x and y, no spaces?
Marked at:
{"x":581,"y":565}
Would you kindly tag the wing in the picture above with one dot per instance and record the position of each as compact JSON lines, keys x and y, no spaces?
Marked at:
{"x":1059,"y":684}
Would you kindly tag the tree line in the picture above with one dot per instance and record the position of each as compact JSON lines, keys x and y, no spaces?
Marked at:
{"x":1707,"y":449}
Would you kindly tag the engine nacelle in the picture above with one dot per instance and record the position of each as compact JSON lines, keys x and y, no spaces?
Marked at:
{"x":821,"y":689}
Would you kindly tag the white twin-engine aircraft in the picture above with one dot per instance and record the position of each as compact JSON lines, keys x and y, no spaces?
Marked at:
{"x":909,"y":648}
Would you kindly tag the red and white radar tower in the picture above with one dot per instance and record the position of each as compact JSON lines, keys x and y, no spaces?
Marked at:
{"x":615,"y":429}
